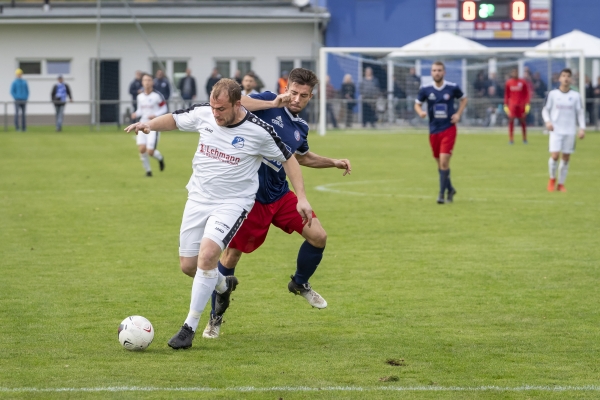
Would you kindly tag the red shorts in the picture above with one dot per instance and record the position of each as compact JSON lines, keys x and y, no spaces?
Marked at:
{"x":517,"y":111}
{"x":443,"y":142}
{"x":282,"y":214}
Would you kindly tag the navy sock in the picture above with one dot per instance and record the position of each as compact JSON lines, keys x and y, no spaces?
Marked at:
{"x":450,"y":187}
{"x":444,"y":179}
{"x":225,"y":272}
{"x":309,"y":258}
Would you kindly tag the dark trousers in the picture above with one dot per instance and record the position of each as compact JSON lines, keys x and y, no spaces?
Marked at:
{"x":331,"y":115}
{"x":349,"y":114}
{"x":20,"y":107}
{"x":60,"y":114}
{"x":369,"y":115}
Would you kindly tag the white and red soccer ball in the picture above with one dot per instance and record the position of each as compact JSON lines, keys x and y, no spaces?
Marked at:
{"x":136,"y":333}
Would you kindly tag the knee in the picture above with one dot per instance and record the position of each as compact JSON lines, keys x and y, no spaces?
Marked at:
{"x":319,"y":239}
{"x":566,"y":157}
{"x":188,"y":267}
{"x":151,"y":152}
{"x":142,"y":149}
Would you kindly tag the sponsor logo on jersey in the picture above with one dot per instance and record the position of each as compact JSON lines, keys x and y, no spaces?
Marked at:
{"x":297,"y":135}
{"x":278,"y":121}
{"x":213,"y":152}
{"x":207,"y":129}
{"x":238,"y":142}
{"x":446,"y":96}
{"x":432,"y":96}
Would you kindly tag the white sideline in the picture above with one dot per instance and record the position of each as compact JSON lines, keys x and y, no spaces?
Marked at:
{"x":525,"y":388}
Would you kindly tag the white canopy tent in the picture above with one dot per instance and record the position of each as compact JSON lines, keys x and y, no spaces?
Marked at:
{"x":439,"y":43}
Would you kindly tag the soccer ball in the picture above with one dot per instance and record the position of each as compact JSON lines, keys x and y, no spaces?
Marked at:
{"x":136,"y":333}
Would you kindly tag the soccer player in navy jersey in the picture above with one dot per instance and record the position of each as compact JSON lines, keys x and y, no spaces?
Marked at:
{"x":440,"y":95}
{"x":275,"y":203}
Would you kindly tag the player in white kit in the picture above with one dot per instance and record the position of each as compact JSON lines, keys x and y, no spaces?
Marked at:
{"x":562,"y":110}
{"x":150,"y":104}
{"x":222,"y":187}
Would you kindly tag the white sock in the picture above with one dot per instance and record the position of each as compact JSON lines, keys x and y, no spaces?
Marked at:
{"x":145,"y":161}
{"x":221,"y":284}
{"x":202,"y":288}
{"x":552,"y":168}
{"x":563,"y":168}
{"x":157,"y":155}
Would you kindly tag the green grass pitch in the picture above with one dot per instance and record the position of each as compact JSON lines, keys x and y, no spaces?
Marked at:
{"x":494,"y":296}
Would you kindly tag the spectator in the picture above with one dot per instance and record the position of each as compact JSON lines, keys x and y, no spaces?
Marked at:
{"x":20,"y":93}
{"x":539,"y":86}
{"x":187,"y":88}
{"x":248,"y":85}
{"x":589,"y":100}
{"x":413,"y":84}
{"x":238,"y":77}
{"x":597,"y":100}
{"x":135,"y":88}
{"x":282,"y":82}
{"x":259,"y":83}
{"x":481,"y":85}
{"x":330,"y":94}
{"x":369,"y":92}
{"x":59,"y":95}
{"x":210,"y":82}
{"x":348,"y":94}
{"x":161,"y":85}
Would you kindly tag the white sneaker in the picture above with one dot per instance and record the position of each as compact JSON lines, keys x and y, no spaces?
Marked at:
{"x":213,"y":328}
{"x":313,"y":298}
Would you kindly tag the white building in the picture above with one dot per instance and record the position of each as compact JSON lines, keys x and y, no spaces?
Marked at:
{"x":264,"y":36}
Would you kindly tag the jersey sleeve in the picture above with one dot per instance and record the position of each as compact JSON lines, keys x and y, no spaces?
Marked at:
{"x":161,"y":105}
{"x":580,"y":112}
{"x":187,"y":120}
{"x":303,"y":148}
{"x":547,"y":107}
{"x":267,"y":96}
{"x":421,"y":96}
{"x":458,"y":93}
{"x":273,"y":147}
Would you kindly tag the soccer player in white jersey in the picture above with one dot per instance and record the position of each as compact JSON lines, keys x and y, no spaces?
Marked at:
{"x":222,"y":187}
{"x":563,"y":107}
{"x":150,"y":104}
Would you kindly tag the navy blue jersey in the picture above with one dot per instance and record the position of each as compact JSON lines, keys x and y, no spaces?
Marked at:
{"x":293,"y":131}
{"x":440,"y":104}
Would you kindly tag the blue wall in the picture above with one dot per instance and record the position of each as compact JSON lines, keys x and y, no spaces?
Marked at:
{"x":394,"y":23}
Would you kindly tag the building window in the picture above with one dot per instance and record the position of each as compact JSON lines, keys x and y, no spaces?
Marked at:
{"x":58,"y":67}
{"x":285,"y":66}
{"x":224,"y":68}
{"x":31,"y":67}
{"x":179,"y":68}
{"x":244,"y":67}
{"x":156,"y":65}
{"x":308,"y":64}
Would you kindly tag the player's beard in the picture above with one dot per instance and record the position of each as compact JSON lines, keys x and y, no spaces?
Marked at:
{"x":226,"y":121}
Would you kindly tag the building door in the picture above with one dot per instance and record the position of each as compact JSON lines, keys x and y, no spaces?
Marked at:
{"x":109,"y":90}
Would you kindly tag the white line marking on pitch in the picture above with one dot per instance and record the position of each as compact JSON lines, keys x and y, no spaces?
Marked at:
{"x":525,"y":388}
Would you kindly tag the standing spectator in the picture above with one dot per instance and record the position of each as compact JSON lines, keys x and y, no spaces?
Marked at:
{"x":210,"y":82}
{"x":597,"y":100}
{"x":259,"y":83}
{"x":135,"y":88}
{"x":369,"y":92}
{"x":330,"y":94}
{"x":282,"y":82}
{"x":162,"y":86}
{"x":411,"y":87}
{"x":589,"y":100}
{"x":539,"y":93}
{"x":20,"y":93}
{"x":248,"y":85}
{"x":59,"y":95}
{"x":480,"y":85}
{"x":238,"y":77}
{"x":348,"y":94}
{"x":187,"y":88}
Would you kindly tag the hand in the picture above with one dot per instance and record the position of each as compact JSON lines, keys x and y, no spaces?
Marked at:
{"x":305,"y":211}
{"x":507,"y":110}
{"x":581,"y":134}
{"x":282,"y":100}
{"x":455,"y":118}
{"x":549,"y":126}
{"x":527,"y":108}
{"x":343,"y":164}
{"x":137,"y":127}
{"x":422,"y":114}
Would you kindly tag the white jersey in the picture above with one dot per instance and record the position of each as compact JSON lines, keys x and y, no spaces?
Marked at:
{"x":562,"y":109}
{"x":225,"y":166}
{"x":150,"y":104}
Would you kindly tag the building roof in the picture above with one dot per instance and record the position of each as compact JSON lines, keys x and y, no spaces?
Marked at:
{"x":226,"y":11}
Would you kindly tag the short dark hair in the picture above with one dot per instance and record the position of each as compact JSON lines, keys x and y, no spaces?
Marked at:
{"x":303,"y":76}
{"x":567,"y":71}
{"x":229,"y":86}
{"x":250,"y":75}
{"x":439,"y":63}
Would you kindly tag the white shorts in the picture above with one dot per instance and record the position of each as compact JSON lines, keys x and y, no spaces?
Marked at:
{"x":150,"y":139}
{"x":562,"y":143}
{"x":218,"y":222}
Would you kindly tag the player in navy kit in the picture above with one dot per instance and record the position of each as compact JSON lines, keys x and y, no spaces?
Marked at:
{"x":275,"y":203}
{"x":440,"y":96}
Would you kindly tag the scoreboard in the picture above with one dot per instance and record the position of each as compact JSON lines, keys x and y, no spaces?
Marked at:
{"x":495,"y":19}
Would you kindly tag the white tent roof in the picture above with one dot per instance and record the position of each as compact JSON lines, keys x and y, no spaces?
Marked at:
{"x":439,"y":43}
{"x":575,"y":40}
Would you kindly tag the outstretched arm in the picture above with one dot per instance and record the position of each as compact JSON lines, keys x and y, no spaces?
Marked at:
{"x":292,"y":170}
{"x":252,"y":104}
{"x":313,"y":160}
{"x":163,"y":123}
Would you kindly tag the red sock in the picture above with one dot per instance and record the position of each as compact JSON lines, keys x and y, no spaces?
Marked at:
{"x":524,"y":126}
{"x":511,"y":130}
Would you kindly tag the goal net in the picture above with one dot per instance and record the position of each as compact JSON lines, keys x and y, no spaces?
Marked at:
{"x":377,"y":87}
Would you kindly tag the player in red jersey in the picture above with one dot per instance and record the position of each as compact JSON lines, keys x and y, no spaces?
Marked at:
{"x":516,"y":104}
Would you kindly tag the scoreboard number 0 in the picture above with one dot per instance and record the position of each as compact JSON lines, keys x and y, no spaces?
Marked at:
{"x":518,"y":11}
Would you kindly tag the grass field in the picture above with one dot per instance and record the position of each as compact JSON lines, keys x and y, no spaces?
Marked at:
{"x":495,"y":296}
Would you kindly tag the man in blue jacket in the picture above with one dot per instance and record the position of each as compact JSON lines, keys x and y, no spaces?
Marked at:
{"x":20,"y":92}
